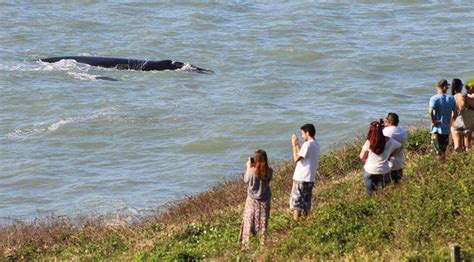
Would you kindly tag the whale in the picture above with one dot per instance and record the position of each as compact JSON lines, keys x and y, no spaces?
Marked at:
{"x":129,"y":64}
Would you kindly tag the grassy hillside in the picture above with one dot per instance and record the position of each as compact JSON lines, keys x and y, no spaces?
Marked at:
{"x":432,"y":208}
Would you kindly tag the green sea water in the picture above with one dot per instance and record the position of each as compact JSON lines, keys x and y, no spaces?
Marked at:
{"x":70,"y":144}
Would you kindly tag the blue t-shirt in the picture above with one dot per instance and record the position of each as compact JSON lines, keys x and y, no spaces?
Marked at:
{"x":443,"y":106}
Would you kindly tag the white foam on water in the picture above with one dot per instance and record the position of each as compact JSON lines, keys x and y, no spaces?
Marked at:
{"x":64,"y":65}
{"x":18,"y":67}
{"x":44,"y":127}
{"x":82,"y":76}
{"x":187,"y":67}
{"x":71,"y":67}
{"x":327,"y":51}
{"x":58,"y":124}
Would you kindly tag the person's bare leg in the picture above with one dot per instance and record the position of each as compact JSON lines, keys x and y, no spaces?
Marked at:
{"x":467,"y":140}
{"x":457,"y":140}
{"x":263,"y":239}
{"x":296,"y":214}
{"x":435,"y":145}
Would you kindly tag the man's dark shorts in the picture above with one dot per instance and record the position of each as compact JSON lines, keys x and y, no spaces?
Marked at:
{"x":396,"y":176}
{"x":301,"y":195}
{"x":440,"y":143}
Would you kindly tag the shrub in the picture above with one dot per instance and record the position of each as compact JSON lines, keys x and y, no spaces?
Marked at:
{"x":418,"y":140}
{"x":339,"y":162}
{"x":432,"y":207}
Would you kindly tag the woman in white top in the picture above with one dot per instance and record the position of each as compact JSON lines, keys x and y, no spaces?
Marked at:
{"x":376,"y":152}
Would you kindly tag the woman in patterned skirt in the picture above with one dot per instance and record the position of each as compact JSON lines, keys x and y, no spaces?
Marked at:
{"x":257,"y":205}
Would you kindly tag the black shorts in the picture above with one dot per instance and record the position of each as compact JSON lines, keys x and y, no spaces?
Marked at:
{"x":396,"y":176}
{"x":440,"y":143}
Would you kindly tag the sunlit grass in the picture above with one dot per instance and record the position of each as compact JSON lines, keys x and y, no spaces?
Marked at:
{"x":416,"y":221}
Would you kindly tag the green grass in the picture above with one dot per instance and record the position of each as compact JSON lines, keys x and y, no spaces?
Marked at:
{"x":415,"y":221}
{"x":432,"y":208}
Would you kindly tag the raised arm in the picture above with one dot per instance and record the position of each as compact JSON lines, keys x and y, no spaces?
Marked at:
{"x":248,"y":171}
{"x":296,"y":148}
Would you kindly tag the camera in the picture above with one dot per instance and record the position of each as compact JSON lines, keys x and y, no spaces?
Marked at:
{"x":382,"y":122}
{"x":252,"y":161}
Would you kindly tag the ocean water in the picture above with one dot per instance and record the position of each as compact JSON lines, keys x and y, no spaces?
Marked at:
{"x":71,"y":144}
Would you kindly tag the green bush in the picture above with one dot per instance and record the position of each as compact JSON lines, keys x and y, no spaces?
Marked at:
{"x":339,"y":162}
{"x":432,"y":208}
{"x":197,"y":241}
{"x":417,"y":220}
{"x":418,"y":140}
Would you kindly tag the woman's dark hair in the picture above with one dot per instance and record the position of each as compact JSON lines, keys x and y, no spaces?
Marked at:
{"x":456,"y":86}
{"x":376,"y":138}
{"x":309,"y":128}
{"x":261,"y":164}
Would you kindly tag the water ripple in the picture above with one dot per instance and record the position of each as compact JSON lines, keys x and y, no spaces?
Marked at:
{"x":129,"y":146}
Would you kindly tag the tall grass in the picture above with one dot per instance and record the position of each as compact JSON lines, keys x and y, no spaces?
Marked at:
{"x":416,"y":221}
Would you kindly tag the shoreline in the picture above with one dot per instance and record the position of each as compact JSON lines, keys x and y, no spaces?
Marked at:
{"x":207,"y":223}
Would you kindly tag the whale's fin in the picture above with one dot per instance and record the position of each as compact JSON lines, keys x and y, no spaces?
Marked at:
{"x":105,"y":78}
{"x":202,"y":70}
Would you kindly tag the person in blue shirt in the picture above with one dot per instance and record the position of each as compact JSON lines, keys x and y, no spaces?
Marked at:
{"x":442,"y":112}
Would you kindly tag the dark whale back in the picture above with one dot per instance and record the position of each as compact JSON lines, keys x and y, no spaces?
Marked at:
{"x":126,"y":64}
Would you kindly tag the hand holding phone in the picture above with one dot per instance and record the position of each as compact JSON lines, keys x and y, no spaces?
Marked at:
{"x":250,"y":162}
{"x":294,"y":140}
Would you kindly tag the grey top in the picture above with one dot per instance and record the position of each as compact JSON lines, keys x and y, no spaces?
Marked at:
{"x":258,"y":189}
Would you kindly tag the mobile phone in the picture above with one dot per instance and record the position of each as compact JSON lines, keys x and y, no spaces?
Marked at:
{"x":252,"y":162}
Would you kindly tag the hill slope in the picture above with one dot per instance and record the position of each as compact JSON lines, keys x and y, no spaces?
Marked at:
{"x":432,"y":208}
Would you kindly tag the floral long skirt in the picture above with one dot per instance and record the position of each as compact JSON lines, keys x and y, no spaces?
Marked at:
{"x":254,"y":220}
